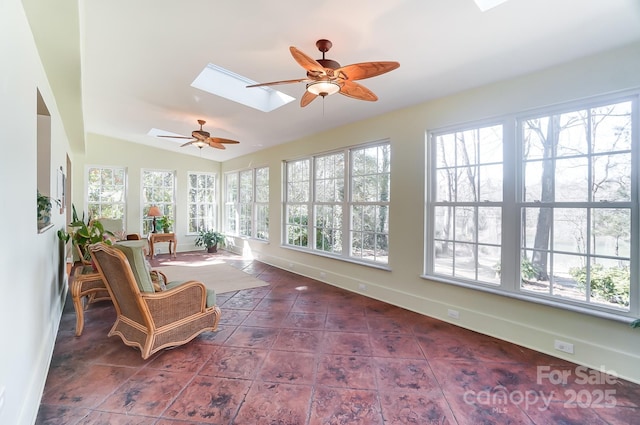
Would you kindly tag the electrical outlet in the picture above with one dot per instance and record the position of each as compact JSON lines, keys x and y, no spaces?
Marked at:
{"x":563,"y":346}
{"x":455,"y":314}
{"x":290,"y":265}
{"x":362,"y":287}
{"x":323,"y":274}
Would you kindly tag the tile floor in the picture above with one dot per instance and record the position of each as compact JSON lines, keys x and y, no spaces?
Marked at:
{"x":300,"y":352}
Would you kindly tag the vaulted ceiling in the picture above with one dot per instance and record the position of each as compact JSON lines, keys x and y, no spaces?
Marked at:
{"x":120,"y":68}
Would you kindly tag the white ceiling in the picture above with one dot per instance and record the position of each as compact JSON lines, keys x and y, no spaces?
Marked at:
{"x":138,"y":58}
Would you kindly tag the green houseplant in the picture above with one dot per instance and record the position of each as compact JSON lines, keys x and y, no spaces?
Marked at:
{"x":210,"y":239}
{"x":44,"y":208}
{"x":86,"y":233}
{"x":165,"y":222}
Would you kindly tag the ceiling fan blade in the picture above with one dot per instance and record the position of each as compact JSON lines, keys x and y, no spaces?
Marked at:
{"x":312,"y":66}
{"x":274,"y":83}
{"x":214,"y":144}
{"x":357,"y":91}
{"x":176,"y":137}
{"x":221,"y":140}
{"x":360,"y":71}
{"x":307,"y":98}
{"x":188,"y":143}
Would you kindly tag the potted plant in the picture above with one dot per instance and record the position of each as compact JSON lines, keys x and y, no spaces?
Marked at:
{"x":88,"y":232}
{"x":165,"y":222}
{"x":44,"y":209}
{"x":210,"y":239}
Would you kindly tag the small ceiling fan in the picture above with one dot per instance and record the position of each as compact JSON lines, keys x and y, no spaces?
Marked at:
{"x":201,"y":138}
{"x":326,"y":77}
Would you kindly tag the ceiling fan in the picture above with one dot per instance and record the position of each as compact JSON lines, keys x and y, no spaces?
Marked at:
{"x":326,"y":77}
{"x":201,"y":138}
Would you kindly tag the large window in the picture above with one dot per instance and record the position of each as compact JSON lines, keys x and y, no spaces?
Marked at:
{"x":247,"y":203}
{"x":106,"y":192}
{"x":556,"y":222}
{"x":262,"y":203}
{"x":347,"y":195}
{"x":202,"y":202}
{"x":158,"y":188}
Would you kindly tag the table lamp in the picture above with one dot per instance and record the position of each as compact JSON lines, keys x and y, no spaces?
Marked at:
{"x":154,"y":212}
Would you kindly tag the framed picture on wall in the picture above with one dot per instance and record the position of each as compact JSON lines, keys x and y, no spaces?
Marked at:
{"x":61,"y":186}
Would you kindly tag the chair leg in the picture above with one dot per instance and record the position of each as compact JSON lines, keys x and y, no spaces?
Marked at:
{"x":79,"y":308}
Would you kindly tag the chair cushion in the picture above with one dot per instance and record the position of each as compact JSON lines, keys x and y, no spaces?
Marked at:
{"x":211,"y":294}
{"x":137,"y":261}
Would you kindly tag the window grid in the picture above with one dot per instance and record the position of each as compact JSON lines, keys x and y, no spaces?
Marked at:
{"x":106,"y":192}
{"x":247,"y":203}
{"x":202,"y":204}
{"x":572,"y":193}
{"x":158,"y":188}
{"x":349,"y":221}
{"x":575,"y":205}
{"x":262,"y":203}
{"x":467,"y":211}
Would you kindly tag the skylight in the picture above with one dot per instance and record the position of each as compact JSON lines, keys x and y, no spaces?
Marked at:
{"x":222,"y":82}
{"x":485,"y":5}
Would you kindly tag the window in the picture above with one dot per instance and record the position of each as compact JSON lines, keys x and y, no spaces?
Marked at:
{"x":348,"y":194}
{"x":298,"y":192}
{"x":467,"y":208}
{"x":202,"y":202}
{"x":556,"y":222}
{"x":262,"y":203}
{"x":231,"y":203}
{"x":370,"y":184}
{"x":106,"y":192}
{"x":158,"y":188}
{"x":247,"y":203}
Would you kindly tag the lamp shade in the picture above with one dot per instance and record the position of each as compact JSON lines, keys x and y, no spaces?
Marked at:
{"x":323,"y":88}
{"x":154,"y":212}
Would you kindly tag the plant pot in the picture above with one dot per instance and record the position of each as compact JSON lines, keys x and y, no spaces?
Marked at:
{"x":212,"y":249}
{"x":167,"y":230}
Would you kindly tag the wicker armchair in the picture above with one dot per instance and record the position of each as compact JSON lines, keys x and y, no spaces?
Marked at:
{"x":147,"y":319}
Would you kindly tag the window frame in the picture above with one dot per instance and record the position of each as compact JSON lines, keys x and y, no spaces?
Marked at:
{"x":145,"y":221}
{"x":346,"y":204}
{"x":513,"y":202}
{"x":240,"y":206}
{"x":197,"y":205}
{"x":123,"y":204}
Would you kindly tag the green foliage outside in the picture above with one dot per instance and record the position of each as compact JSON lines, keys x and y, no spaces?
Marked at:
{"x":527,"y":270}
{"x":608,"y":284}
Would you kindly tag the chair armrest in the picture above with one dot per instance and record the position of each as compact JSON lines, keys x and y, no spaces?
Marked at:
{"x":177,"y":303}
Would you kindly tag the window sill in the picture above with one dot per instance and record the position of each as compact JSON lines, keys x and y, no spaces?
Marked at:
{"x":385,"y":267}
{"x":537,"y":300}
{"x":45,"y":228}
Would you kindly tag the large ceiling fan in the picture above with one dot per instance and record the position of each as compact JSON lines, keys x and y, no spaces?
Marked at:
{"x":326,"y":77}
{"x":201,"y":138}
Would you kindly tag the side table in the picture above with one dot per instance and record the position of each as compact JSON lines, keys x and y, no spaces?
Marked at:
{"x":86,"y":283}
{"x":162,"y":237}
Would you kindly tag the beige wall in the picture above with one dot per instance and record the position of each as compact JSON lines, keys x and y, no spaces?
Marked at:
{"x":31,"y":291}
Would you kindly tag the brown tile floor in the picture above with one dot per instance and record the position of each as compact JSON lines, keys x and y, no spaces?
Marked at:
{"x":300,"y":352}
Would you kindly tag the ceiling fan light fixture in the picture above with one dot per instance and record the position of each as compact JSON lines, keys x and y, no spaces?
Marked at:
{"x":323,"y":88}
{"x":200,"y":144}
